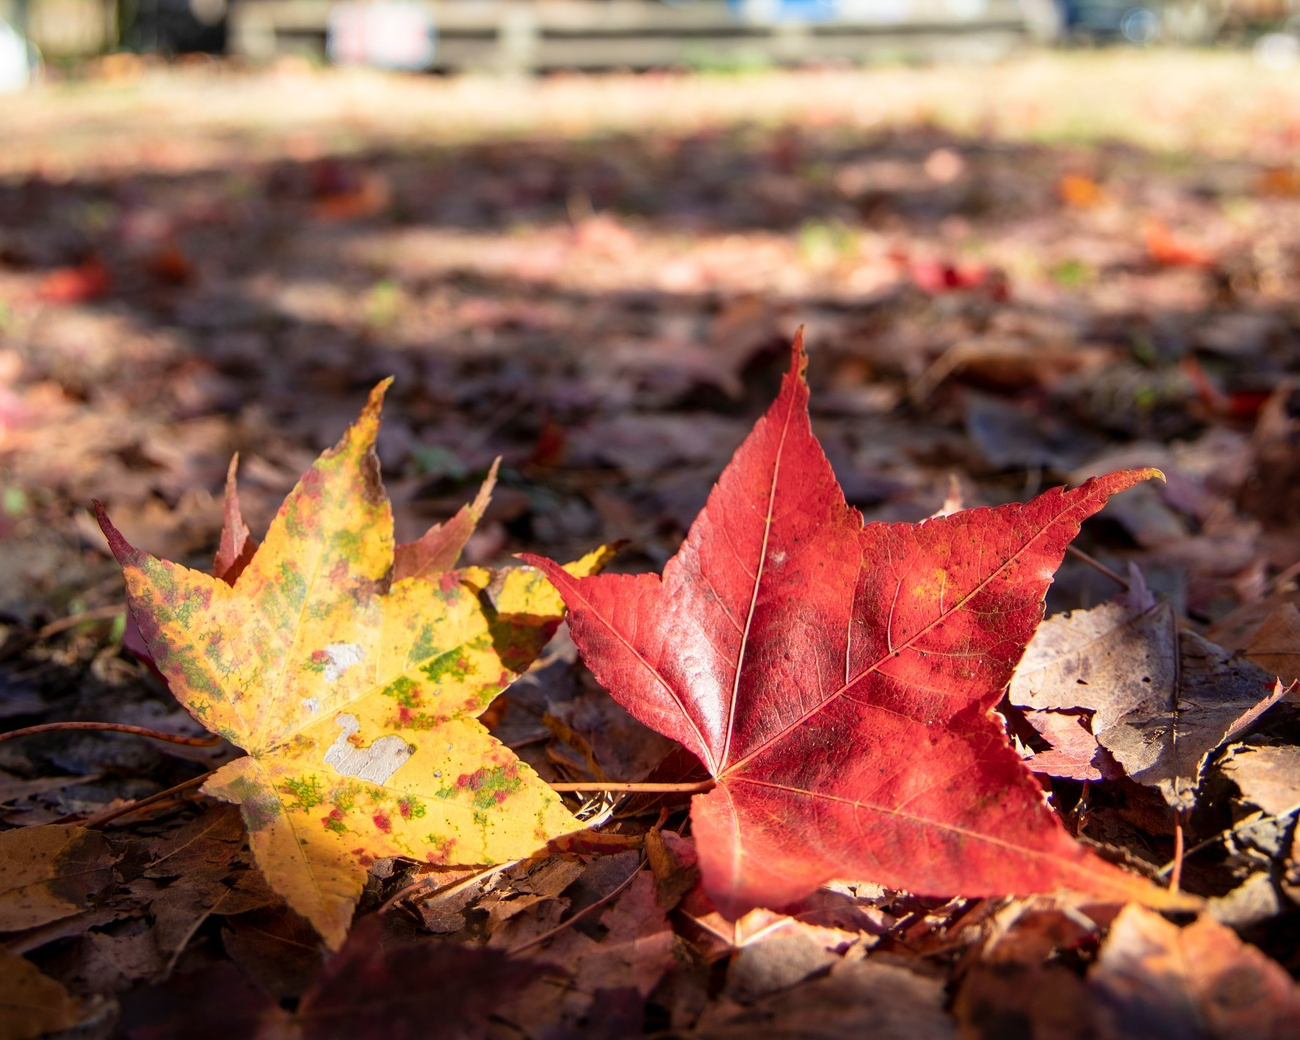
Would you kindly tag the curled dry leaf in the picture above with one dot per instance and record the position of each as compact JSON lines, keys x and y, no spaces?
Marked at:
{"x":1161,"y":698}
{"x":838,"y":681}
{"x":355,"y":694}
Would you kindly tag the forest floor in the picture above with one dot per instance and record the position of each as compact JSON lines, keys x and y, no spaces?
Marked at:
{"x":1010,"y":278}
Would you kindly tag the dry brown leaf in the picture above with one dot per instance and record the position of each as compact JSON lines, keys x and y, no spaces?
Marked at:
{"x":1267,"y":776}
{"x":32,"y":1004}
{"x":1275,"y":647}
{"x":1162,"y":699}
{"x":1156,"y":981}
{"x":898,"y":1004}
{"x":47,"y":873}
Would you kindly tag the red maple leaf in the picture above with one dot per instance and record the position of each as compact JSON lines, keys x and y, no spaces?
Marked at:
{"x":838,"y":681}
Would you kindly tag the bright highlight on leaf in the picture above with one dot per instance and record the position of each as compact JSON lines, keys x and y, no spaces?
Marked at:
{"x":839,"y":681}
{"x":354,"y":693}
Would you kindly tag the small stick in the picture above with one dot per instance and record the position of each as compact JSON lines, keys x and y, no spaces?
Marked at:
{"x":113,"y":727}
{"x":73,"y":620}
{"x":699,"y":787}
{"x":1176,"y":874}
{"x":537,"y":939}
{"x":142,"y":803}
{"x":1243,"y":824}
{"x":1092,"y":561}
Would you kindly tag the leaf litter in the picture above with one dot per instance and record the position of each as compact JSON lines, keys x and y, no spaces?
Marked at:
{"x":1012,"y":362}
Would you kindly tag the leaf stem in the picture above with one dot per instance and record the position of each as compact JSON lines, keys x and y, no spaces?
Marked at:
{"x":699,"y":787}
{"x":1095,"y":563}
{"x":114,"y":727}
{"x":1176,"y":874}
{"x":73,"y":620}
{"x":1243,"y":824}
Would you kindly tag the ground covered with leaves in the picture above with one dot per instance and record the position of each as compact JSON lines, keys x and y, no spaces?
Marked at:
{"x":1010,"y":279}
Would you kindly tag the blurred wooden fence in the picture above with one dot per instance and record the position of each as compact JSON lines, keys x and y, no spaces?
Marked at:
{"x":531,"y":35}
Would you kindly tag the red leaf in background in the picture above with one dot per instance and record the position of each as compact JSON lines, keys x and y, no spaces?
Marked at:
{"x":1169,"y":250}
{"x":87,"y":281}
{"x":838,"y":681}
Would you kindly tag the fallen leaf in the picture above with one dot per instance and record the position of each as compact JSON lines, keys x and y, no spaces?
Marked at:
{"x":236,"y":547}
{"x":1080,"y":191}
{"x":199,"y":874}
{"x":85,"y":282}
{"x":838,"y":681}
{"x":1162,"y":699}
{"x":354,"y":694}
{"x":1075,"y":753}
{"x":231,"y":1004}
{"x":408,"y":990}
{"x":898,"y":1004}
{"x":1268,"y":777}
{"x":608,"y":975}
{"x":1170,"y":250}
{"x":47,"y":873}
{"x":32,"y":1004}
{"x":1018,"y":978}
{"x":1155,"y":980}
{"x":275,"y":947}
{"x":1276,"y":646}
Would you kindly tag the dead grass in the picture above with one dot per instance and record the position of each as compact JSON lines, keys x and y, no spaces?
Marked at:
{"x":1215,"y":104}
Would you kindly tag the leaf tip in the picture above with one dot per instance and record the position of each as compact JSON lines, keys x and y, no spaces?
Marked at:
{"x":117,"y":543}
{"x":799,"y":355}
{"x":545,"y":564}
{"x":369,"y":416}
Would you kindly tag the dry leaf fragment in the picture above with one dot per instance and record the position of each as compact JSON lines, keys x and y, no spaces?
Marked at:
{"x":1276,"y":646}
{"x":1156,"y":981}
{"x":1266,"y":776}
{"x":355,"y":694}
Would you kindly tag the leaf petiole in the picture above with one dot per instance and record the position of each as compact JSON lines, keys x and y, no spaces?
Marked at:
{"x":698,"y":787}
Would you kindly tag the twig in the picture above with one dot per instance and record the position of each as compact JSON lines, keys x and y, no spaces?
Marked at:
{"x":113,"y":727}
{"x":142,"y":803}
{"x":1095,"y":563}
{"x":1245,"y":824}
{"x":538,"y":939}
{"x":1176,"y":874}
{"x":73,"y":620}
{"x":699,"y":787}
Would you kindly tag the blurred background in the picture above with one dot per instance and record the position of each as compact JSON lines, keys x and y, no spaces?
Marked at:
{"x":539,"y":35}
{"x":1029,"y":240}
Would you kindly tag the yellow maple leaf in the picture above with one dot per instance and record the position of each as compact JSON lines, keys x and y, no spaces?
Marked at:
{"x":355,"y":696}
